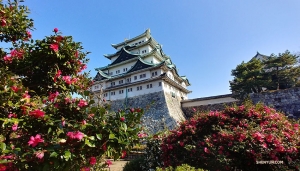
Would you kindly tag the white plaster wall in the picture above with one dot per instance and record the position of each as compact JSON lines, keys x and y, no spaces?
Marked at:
{"x":210,"y":101}
{"x":135,"y":92}
{"x":121,"y":67}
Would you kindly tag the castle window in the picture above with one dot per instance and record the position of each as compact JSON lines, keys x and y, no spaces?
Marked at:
{"x":121,"y":82}
{"x":121,"y":91}
{"x":124,"y":69}
{"x":96,"y":87}
{"x":118,"y":71}
{"x":112,"y":83}
{"x":129,"y":90}
{"x":112,"y":93}
{"x":154,"y":73}
{"x":135,"y":77}
{"x":142,"y":75}
{"x":159,"y":84}
{"x":139,"y":88}
{"x":173,"y":94}
{"x":144,"y":51}
{"x":128,"y":80}
{"x":149,"y":86}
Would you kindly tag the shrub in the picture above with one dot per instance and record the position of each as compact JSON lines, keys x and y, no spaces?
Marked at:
{"x":235,"y":138}
{"x":42,"y":126}
{"x":183,"y":167}
{"x":134,"y":165}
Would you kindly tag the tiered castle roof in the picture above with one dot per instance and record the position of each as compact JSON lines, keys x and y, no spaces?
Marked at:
{"x":124,"y":56}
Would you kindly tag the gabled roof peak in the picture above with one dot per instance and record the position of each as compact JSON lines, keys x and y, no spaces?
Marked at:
{"x":127,"y":41}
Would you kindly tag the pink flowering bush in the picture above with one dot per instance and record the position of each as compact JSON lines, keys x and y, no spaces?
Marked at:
{"x":43,"y":127}
{"x":235,"y":138}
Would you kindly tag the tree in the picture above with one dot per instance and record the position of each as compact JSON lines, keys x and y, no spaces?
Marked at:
{"x":276,"y":72}
{"x":283,"y":70}
{"x":43,"y":127}
{"x":248,"y":78}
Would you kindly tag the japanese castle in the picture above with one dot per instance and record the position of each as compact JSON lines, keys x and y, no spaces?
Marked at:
{"x":139,"y":70}
{"x":139,"y":67}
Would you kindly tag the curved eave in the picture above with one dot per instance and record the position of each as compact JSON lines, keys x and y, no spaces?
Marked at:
{"x":139,"y":65}
{"x":124,"y":56}
{"x":101,"y":76}
{"x":155,"y":53}
{"x":175,"y":84}
{"x":185,"y":80}
{"x":146,"y":33}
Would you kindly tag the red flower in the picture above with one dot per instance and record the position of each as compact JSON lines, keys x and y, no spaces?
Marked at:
{"x":123,"y":154}
{"x":14,"y":88}
{"x":67,"y":79}
{"x":54,"y":47}
{"x":3,"y":167}
{"x":93,"y":160}
{"x":55,"y":30}
{"x":122,"y":119}
{"x":59,"y":38}
{"x":3,"y":22}
{"x":37,"y":113}
{"x":52,"y":96}
{"x":104,"y":148}
{"x":108,"y":163}
{"x":35,"y":140}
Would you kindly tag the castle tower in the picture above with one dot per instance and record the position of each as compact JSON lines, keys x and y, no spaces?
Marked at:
{"x":141,"y":75}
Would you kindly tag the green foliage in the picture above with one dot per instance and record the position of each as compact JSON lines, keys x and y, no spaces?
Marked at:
{"x":235,"y":138}
{"x":274,"y":72}
{"x":183,"y":167}
{"x":134,"y":165}
{"x":282,"y":70}
{"x":43,"y":127}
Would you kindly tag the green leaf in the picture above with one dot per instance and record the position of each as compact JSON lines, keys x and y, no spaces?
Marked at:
{"x":67,"y":155}
{"x":124,"y":126}
{"x":49,"y":130}
{"x":99,"y":136}
{"x":92,"y":138}
{"x":86,"y":93}
{"x":88,"y":143}
{"x":111,"y":136}
{"x":53,"y":154}
{"x":3,"y":146}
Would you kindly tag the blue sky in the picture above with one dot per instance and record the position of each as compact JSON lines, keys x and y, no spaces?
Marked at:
{"x":205,"y":39}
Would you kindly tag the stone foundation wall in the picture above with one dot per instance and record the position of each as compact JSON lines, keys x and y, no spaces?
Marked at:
{"x":161,"y":110}
{"x":287,"y":101}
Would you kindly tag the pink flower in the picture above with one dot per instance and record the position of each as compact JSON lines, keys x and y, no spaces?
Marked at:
{"x":55,"y":30}
{"x":83,"y":122}
{"x":93,"y":160}
{"x":39,"y":154}
{"x":132,"y":110}
{"x":82,"y":103}
{"x":206,"y":150}
{"x":122,"y":119}
{"x":37,"y":113}
{"x":181,"y":143}
{"x":76,"y":54}
{"x":67,"y":79}
{"x":63,"y":123}
{"x":75,"y":135}
{"x":35,"y":140}
{"x":28,"y":34}
{"x":26,"y":95}
{"x":54,"y":47}
{"x":7,"y":59}
{"x":108,"y":163}
{"x":14,"y":127}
